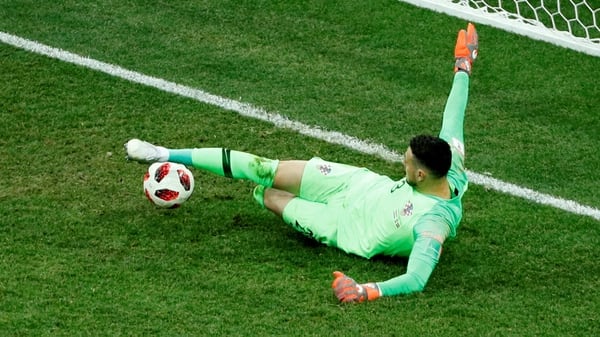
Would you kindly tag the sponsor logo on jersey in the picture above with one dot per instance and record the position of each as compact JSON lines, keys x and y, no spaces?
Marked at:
{"x":398,"y":186}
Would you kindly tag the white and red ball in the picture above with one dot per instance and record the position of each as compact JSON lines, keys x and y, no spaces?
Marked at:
{"x":168,"y":185}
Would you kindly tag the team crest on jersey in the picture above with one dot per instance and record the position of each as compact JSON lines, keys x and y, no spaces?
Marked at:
{"x":325,"y":169}
{"x":408,"y":209}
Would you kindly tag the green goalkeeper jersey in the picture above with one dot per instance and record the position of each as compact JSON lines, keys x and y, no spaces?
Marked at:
{"x":381,"y":214}
{"x":392,"y":218}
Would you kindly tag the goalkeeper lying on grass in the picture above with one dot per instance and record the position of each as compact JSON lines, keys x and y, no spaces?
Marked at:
{"x":354,"y":209}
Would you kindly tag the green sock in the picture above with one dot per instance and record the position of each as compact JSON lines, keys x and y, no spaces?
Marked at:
{"x":228,"y":163}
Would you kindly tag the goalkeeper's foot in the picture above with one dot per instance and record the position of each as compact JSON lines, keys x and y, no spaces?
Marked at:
{"x":466,"y":49}
{"x":141,"y":151}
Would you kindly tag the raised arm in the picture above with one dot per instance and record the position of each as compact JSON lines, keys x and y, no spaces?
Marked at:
{"x":437,"y":225}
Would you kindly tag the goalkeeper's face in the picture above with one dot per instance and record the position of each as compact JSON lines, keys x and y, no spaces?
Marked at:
{"x":411,"y":169}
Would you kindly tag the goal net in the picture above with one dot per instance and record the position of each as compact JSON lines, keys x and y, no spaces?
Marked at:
{"x":572,"y":24}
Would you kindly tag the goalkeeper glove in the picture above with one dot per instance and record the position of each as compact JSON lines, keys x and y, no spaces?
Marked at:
{"x":466,"y":49}
{"x":347,"y":290}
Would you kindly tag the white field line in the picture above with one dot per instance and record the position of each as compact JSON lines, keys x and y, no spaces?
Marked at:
{"x":249,"y":110}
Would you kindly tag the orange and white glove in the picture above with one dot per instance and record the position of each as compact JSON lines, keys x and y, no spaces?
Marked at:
{"x":466,"y":49}
{"x":347,"y":290}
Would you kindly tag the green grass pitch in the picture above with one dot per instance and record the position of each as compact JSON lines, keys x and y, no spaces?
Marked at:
{"x":83,"y":253}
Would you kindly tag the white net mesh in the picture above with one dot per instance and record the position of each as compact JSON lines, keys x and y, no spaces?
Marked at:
{"x":570,"y":23}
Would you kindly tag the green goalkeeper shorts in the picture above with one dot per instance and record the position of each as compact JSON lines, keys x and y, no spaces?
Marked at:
{"x":320,"y":203}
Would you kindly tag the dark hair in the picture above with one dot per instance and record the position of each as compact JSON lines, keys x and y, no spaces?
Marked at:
{"x":432,"y":152}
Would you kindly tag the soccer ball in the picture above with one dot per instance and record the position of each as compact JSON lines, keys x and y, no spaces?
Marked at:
{"x":168,"y":185}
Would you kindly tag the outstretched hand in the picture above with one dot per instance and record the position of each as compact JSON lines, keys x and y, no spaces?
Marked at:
{"x":347,"y":290}
{"x":466,"y":49}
